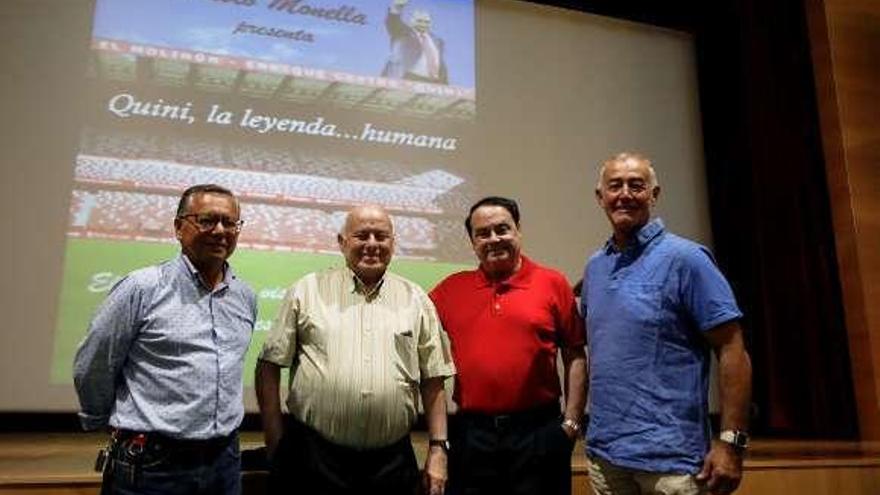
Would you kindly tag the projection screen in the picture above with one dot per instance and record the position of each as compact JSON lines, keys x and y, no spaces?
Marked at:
{"x":305,"y":108}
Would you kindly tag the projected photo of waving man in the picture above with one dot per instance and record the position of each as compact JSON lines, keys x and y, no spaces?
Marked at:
{"x":416,"y":52}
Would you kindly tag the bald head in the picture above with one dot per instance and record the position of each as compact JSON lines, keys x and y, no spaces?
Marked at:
{"x":367,"y":242}
{"x":360,"y":213}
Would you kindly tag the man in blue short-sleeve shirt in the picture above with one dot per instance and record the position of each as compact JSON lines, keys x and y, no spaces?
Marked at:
{"x":655,"y":306}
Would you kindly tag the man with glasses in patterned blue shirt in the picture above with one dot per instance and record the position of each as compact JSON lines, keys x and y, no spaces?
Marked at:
{"x":161,"y":365}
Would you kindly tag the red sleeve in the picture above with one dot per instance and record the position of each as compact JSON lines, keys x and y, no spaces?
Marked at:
{"x":436,"y":296}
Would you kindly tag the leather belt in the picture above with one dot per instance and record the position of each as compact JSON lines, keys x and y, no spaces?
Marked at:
{"x":528,"y":417}
{"x":158,"y":441}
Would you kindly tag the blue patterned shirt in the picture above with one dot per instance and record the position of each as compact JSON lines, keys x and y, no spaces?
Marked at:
{"x":165,"y":354}
{"x":646,"y":310}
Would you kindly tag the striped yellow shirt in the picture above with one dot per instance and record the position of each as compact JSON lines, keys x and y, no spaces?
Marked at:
{"x":357,"y":359}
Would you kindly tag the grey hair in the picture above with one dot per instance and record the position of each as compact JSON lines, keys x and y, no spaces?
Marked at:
{"x":629,"y":155}
{"x":420,"y":13}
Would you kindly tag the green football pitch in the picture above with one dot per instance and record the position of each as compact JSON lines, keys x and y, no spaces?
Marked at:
{"x":92,"y":266}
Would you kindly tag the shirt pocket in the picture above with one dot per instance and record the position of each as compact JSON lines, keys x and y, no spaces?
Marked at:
{"x":406,"y":355}
{"x":641,"y":304}
{"x":625,"y":332}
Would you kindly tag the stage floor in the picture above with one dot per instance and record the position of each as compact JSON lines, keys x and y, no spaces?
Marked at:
{"x":62,"y":463}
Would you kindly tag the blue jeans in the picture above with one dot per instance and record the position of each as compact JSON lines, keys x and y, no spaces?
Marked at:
{"x":174,"y":468}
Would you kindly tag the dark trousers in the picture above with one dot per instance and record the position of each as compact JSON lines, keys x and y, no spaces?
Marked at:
{"x":305,"y":462}
{"x":521,"y":453}
{"x":151,"y":464}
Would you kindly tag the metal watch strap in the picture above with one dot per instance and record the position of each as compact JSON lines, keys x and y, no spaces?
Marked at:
{"x":439,"y":442}
{"x":737,"y":438}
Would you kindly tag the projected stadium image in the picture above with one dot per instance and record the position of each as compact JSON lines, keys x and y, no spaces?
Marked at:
{"x":305,"y":108}
{"x":363,"y":57}
{"x":301,"y":111}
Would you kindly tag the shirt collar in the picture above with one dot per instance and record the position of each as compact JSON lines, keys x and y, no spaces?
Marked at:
{"x":519,"y":279}
{"x":644,"y":236}
{"x":187,"y":265}
{"x":355,"y":285}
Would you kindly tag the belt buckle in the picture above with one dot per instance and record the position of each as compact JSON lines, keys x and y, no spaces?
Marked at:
{"x":137,"y":444}
{"x":501,"y":421}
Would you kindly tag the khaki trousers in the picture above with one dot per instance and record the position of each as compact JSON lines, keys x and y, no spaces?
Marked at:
{"x":608,"y":479}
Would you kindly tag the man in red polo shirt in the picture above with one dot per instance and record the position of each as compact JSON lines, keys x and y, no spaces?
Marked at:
{"x":506,"y":321}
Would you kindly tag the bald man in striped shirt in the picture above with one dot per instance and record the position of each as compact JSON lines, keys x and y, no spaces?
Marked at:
{"x":362,"y":344}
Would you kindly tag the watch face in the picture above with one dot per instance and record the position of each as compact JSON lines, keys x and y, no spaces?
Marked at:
{"x":736,"y":438}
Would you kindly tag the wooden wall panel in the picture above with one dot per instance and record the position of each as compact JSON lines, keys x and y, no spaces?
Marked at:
{"x":812,"y":481}
{"x":845,"y":40}
{"x":849,"y":480}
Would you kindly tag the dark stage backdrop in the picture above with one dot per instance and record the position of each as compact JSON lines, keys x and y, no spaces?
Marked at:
{"x":769,"y":203}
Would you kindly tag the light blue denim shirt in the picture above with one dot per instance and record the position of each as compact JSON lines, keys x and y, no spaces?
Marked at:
{"x":646,"y":310}
{"x":165,"y":354}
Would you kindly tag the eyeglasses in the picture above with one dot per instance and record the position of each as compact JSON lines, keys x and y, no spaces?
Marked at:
{"x":207,"y":222}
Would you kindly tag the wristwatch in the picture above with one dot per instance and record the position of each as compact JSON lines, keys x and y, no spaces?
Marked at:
{"x":437,"y":442}
{"x":739,"y":439}
{"x":572,"y":424}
